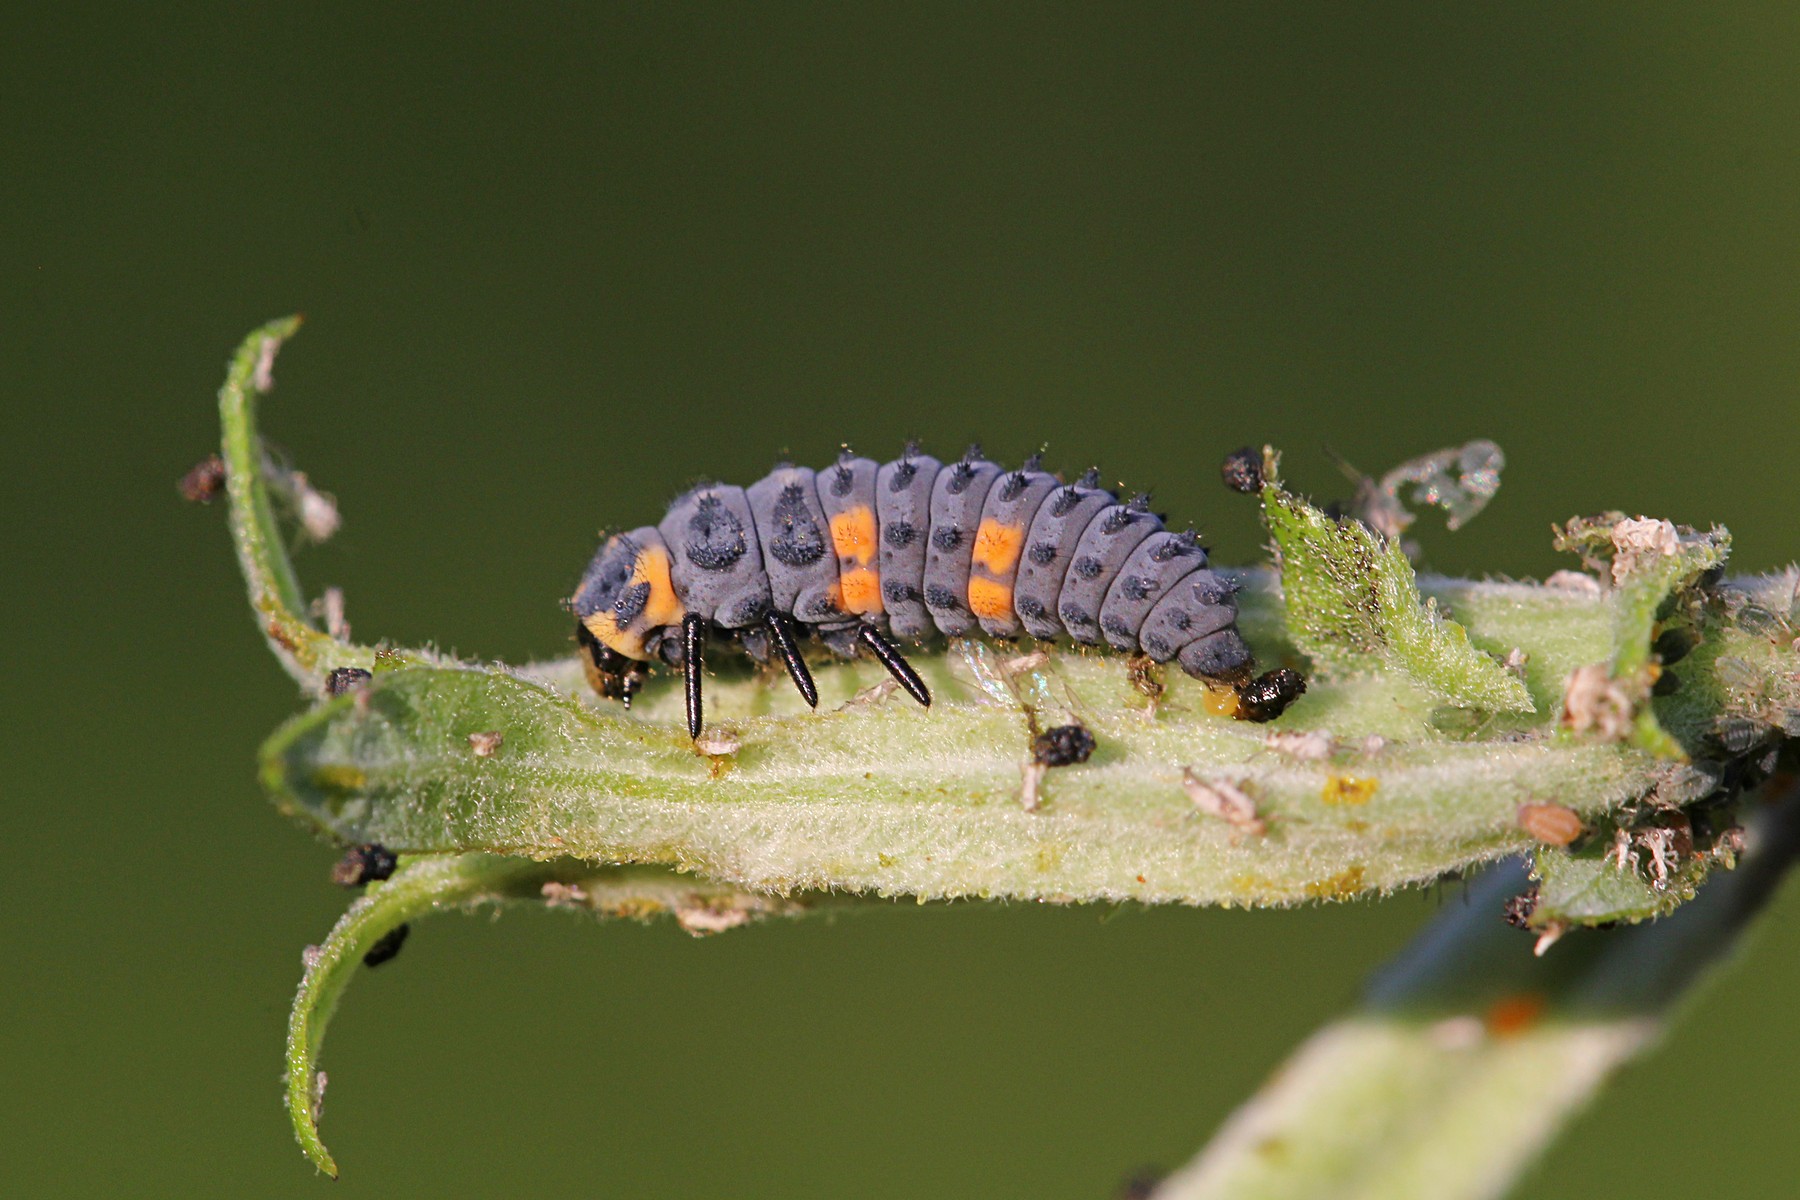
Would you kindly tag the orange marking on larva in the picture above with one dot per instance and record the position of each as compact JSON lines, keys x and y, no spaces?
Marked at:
{"x":997,"y":547}
{"x":605,"y":628}
{"x":1510,"y":1016}
{"x":664,"y":607}
{"x":853,"y":535}
{"x":990,"y":599}
{"x":859,"y":591}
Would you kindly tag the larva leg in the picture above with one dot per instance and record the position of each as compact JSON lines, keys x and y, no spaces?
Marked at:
{"x":896,"y":664}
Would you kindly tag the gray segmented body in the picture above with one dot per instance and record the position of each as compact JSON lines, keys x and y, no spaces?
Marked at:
{"x":919,"y":549}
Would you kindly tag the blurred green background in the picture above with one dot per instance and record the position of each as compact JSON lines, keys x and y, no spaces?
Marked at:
{"x":557,"y":263}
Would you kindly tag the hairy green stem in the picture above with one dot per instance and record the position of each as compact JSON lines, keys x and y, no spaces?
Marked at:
{"x":1469,"y":1054}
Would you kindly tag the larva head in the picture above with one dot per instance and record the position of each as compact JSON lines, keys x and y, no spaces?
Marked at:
{"x":626,"y":600}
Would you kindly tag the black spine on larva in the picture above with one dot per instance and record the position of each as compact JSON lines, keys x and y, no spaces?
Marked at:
{"x":1006,"y":516}
{"x":903,"y":511}
{"x":956,"y":499}
{"x":1050,"y":547}
{"x":1160,"y":561}
{"x":715,"y":559}
{"x":1201,"y":604}
{"x":1105,"y":544}
{"x":796,"y":545}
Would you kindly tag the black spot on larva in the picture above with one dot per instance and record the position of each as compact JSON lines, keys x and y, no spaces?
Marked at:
{"x":1088,"y":568}
{"x":1074,"y":616}
{"x":1063,"y":746}
{"x":1136,"y":587}
{"x":1116,"y":519}
{"x":898,"y":592}
{"x":748,"y":611}
{"x":939,"y":596}
{"x":1029,"y":606}
{"x":1118,"y":627}
{"x":946,"y":537}
{"x":715,"y":536}
{"x":1065,"y":499}
{"x":1173,"y":548}
{"x":1157,"y":648}
{"x":345,"y":679}
{"x":1013,"y":485}
{"x":1042,"y":553}
{"x":362,"y":864}
{"x":961,"y":475}
{"x":630,"y":603}
{"x":820,"y":608}
{"x":798,"y":542}
{"x":1242,"y":471}
{"x":1182,"y":620}
{"x":1269,"y":694}
{"x":903,"y":474}
{"x":1215,"y":590}
{"x":841,"y":479}
{"x":387,"y":946}
{"x":899,"y":534}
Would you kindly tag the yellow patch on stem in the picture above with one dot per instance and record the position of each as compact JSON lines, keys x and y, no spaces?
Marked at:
{"x":1348,"y":789}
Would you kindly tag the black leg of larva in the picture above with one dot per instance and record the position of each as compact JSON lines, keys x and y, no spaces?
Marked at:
{"x":782,"y":631}
{"x":693,"y":653}
{"x":896,"y":664}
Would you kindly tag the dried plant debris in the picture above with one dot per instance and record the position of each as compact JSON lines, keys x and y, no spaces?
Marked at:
{"x":367,"y":863}
{"x":1242,"y":470}
{"x":1595,"y":703}
{"x":1224,"y":799}
{"x":487,"y":743}
{"x":1619,"y":548}
{"x":330,"y":610}
{"x":340,"y":681}
{"x":204,"y":481}
{"x":1460,"y":480}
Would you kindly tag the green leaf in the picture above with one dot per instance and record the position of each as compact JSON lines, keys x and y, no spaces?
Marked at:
{"x":1353,"y":605}
{"x":1592,"y":887}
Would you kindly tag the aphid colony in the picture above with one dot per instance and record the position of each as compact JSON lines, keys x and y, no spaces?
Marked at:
{"x":864,"y":552}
